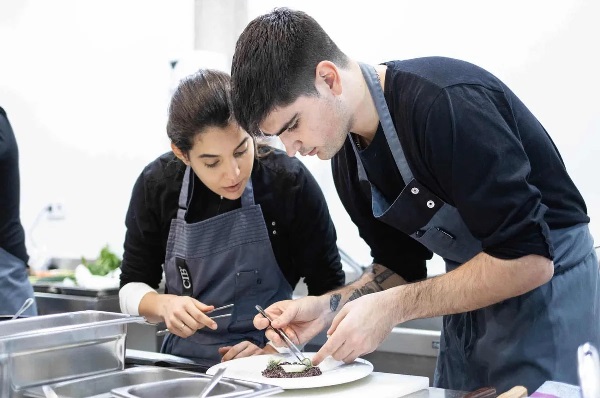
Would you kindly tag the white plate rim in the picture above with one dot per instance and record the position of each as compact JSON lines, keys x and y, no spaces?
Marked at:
{"x":300,"y":382}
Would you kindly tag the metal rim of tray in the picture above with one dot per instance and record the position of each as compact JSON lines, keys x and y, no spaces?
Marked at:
{"x":123,"y":319}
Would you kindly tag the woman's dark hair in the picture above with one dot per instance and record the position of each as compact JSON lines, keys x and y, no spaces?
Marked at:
{"x":201,"y":100}
{"x":274,"y":63}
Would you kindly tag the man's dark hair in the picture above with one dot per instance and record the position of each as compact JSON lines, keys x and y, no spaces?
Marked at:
{"x":274,"y":63}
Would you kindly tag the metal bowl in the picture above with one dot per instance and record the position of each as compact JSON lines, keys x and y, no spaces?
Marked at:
{"x":182,"y":388}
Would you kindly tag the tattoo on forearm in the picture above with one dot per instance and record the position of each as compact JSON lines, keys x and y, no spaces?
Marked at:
{"x":366,"y":289}
{"x":381,"y":274}
{"x":379,"y":279}
{"x":334,"y":301}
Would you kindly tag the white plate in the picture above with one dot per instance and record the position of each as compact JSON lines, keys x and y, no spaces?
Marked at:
{"x":334,"y":372}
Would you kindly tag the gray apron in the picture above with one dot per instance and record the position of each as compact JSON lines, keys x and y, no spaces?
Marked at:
{"x":14,"y":285}
{"x":524,"y":340}
{"x":224,"y":259}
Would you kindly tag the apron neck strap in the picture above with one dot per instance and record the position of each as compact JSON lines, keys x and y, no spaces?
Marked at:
{"x":372,"y":80}
{"x":187,"y":190}
{"x":185,"y":196}
{"x":248,"y":195}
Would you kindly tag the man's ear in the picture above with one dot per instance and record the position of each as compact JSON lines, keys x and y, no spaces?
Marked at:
{"x":328,"y":73}
{"x":182,"y":156}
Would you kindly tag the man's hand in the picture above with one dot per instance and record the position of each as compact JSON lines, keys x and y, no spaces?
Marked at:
{"x":359,"y":328}
{"x":244,"y":349}
{"x":184,"y":315}
{"x":301,"y":319}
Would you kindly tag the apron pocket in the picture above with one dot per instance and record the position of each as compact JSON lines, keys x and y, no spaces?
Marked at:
{"x":247,"y":285}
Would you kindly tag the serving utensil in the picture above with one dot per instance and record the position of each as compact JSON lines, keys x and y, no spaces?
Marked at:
{"x":23,"y":308}
{"x":515,"y":392}
{"x":49,"y":392}
{"x":213,"y":382}
{"x":165,"y":331}
{"x":293,"y":348}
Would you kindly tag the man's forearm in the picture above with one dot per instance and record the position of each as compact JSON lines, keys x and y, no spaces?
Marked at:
{"x":482,"y":281}
{"x":376,"y":278}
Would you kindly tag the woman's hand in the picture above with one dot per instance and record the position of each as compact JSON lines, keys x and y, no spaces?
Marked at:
{"x":184,"y":315}
{"x":244,"y":349}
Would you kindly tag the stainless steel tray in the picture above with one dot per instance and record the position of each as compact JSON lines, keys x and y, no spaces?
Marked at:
{"x":52,"y":348}
{"x":99,"y":386}
{"x":191,"y":388}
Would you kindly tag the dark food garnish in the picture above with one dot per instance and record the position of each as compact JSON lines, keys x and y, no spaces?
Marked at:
{"x":274,"y":370}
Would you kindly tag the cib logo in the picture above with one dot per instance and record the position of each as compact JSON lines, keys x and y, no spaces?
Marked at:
{"x":185,"y":278}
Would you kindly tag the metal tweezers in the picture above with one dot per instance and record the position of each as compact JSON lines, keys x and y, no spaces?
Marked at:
{"x":165,"y":331}
{"x":293,"y":348}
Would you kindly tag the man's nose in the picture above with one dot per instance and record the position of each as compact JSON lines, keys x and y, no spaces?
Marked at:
{"x":291,"y":146}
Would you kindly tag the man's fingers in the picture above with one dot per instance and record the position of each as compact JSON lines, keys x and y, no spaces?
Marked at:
{"x":292,"y":335}
{"x":336,"y":321}
{"x":330,"y":346}
{"x":286,"y":316}
{"x":351,"y":357}
{"x":274,"y":338}
{"x":260,"y":322}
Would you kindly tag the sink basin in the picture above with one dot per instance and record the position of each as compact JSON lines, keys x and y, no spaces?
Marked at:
{"x":101,"y":385}
{"x":182,"y":388}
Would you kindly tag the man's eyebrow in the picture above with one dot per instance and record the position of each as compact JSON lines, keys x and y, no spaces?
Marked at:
{"x":286,"y":126}
{"x":208,"y":155}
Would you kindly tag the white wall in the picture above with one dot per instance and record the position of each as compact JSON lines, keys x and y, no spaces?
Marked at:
{"x":85,"y":83}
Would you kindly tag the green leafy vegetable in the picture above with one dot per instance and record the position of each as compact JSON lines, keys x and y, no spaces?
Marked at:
{"x":106,"y":262}
{"x":273,"y":363}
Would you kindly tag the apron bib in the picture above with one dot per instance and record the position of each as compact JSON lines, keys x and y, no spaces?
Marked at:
{"x":14,"y":285}
{"x":224,"y":259}
{"x":524,"y":340}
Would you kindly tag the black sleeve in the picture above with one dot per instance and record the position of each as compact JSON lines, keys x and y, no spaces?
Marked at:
{"x":12,"y":235}
{"x":389,"y":247}
{"x":477,"y":156}
{"x":144,"y":251}
{"x":313,"y":237}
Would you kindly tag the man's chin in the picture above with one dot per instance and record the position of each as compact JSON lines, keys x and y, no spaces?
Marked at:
{"x":323,"y":156}
{"x":326,"y":154}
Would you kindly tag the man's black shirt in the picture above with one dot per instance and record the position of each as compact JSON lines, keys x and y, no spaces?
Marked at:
{"x":12,"y":236}
{"x":471,"y":141}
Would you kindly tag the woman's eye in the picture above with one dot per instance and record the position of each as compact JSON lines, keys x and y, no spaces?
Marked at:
{"x":240,"y":153}
{"x":211,"y":165}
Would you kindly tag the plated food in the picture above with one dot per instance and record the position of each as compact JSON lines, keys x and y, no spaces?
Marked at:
{"x":276,"y":368}
{"x":333,"y":372}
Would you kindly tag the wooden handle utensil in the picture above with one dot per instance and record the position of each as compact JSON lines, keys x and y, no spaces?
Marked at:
{"x":515,"y":392}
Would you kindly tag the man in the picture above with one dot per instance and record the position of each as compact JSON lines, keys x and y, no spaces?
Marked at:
{"x":14,"y":283}
{"x":430,"y":155}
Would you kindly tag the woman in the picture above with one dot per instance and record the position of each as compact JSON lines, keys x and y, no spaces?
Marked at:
{"x":232,"y":223}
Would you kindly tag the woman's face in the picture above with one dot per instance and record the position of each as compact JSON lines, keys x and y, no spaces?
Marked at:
{"x":222,"y":158}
